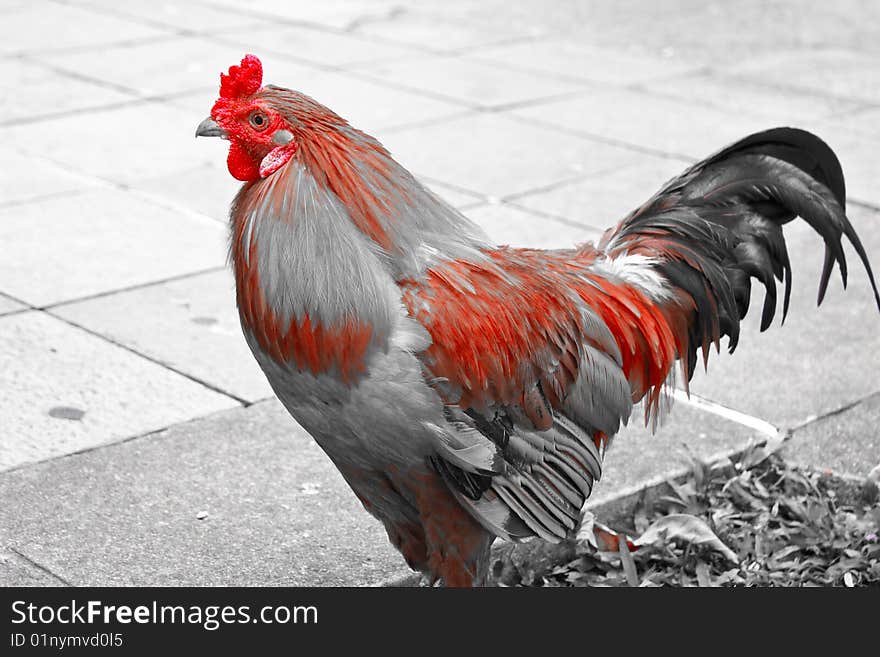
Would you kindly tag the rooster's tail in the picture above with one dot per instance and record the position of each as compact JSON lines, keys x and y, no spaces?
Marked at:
{"x":719,"y":224}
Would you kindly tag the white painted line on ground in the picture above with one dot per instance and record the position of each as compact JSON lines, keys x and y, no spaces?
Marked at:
{"x":756,"y":423}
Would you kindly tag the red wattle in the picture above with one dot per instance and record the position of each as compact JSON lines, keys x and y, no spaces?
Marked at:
{"x":241,"y":164}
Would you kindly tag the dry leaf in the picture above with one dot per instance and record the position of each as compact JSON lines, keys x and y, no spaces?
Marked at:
{"x":687,"y":528}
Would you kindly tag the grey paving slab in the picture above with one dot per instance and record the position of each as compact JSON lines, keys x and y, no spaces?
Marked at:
{"x":642,"y":120}
{"x":72,"y":246}
{"x":26,"y":177}
{"x":11,"y":6}
{"x":687,"y":30}
{"x":276,"y":511}
{"x":848,"y":442}
{"x":498,"y":156}
{"x":8,"y":305}
{"x":854,"y":137}
{"x":603,"y":200}
{"x":65,"y":26}
{"x":506,"y":224}
{"x":830,"y":72}
{"x":822,"y":359}
{"x":435,"y":32}
{"x":471,"y":81}
{"x":64,"y":390}
{"x":190,"y":324}
{"x":17,"y":571}
{"x":179,"y":16}
{"x":779,"y":106}
{"x":561,"y":58}
{"x":367,"y":105}
{"x":125,"y":145}
{"x":318,"y":46}
{"x":168,"y":66}
{"x":457,"y":197}
{"x":341,"y":15}
{"x":864,"y":122}
{"x":29,"y":91}
{"x":207,"y":188}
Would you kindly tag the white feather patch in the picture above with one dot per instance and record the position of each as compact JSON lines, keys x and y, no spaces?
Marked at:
{"x":638,"y":271}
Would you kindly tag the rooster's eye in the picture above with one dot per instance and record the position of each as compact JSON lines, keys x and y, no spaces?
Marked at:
{"x":258,"y":121}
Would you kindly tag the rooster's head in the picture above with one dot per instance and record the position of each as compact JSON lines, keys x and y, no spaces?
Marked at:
{"x":265,"y":125}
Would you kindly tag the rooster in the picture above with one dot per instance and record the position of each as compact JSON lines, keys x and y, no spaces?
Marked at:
{"x":467,"y":391}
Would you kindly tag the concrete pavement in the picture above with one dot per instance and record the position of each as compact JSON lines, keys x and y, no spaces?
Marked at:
{"x":139,"y":441}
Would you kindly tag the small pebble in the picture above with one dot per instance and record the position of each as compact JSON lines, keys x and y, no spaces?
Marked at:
{"x":201,"y":515}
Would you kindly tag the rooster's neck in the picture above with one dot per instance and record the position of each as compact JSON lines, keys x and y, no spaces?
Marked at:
{"x":410,"y":224}
{"x":312,"y":289}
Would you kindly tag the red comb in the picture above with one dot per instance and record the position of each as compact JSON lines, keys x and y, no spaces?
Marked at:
{"x":242,"y":80}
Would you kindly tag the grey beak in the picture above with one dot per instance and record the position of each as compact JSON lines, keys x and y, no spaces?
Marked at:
{"x":209,"y":128}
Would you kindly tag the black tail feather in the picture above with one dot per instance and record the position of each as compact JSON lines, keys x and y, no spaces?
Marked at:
{"x":720,"y":224}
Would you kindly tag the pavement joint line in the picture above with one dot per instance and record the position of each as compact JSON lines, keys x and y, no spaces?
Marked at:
{"x":552,"y":217}
{"x":174,"y":206}
{"x":478,"y":196}
{"x":110,"y":443}
{"x":385,"y":82}
{"x":100,"y":10}
{"x":40,"y":197}
{"x":458,"y":51}
{"x":82,"y":77}
{"x":274,"y":19}
{"x":227,"y":38}
{"x":863,"y":204}
{"x":39,"y":566}
{"x":534,"y":102}
{"x":75,"y":50}
{"x":366,"y":18}
{"x":143,"y":20}
{"x":473,"y":205}
{"x":156,"y":361}
{"x":581,"y":177}
{"x":860,"y":108}
{"x":423,"y":123}
{"x":861,"y":105}
{"x":793,"y":88}
{"x":834,"y":412}
{"x":17,"y":311}
{"x":764,"y":427}
{"x":611,"y":141}
{"x":268,"y":16}
{"x":77,"y":75}
{"x":129,"y":288}
{"x":92,"y":448}
{"x":596,"y":82}
{"x":101,"y":183}
{"x":640,"y":85}
{"x":223,"y":40}
{"x":109,"y":183}
{"x":51,"y":116}
{"x":560,"y":219}
{"x":17,"y":300}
